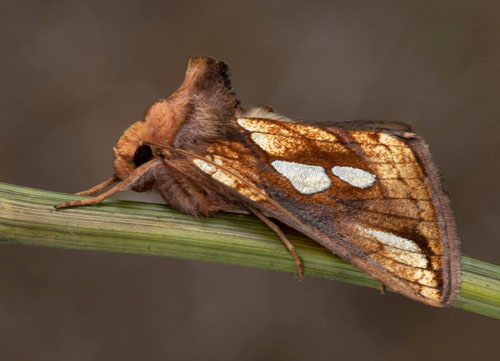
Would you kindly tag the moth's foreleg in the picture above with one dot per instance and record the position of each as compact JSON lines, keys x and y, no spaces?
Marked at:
{"x":86,"y":201}
{"x":381,"y":288}
{"x":97,"y":188}
{"x":139,"y":176}
{"x":284,"y":239}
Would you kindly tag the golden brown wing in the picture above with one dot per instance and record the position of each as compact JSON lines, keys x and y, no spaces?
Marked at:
{"x":371,"y":196}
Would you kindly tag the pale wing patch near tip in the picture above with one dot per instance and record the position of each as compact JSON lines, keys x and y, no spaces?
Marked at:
{"x":432,"y":293}
{"x":354,"y":176}
{"x":392,"y":240}
{"x":410,"y":258}
{"x":307,"y":179}
{"x":421,"y":276}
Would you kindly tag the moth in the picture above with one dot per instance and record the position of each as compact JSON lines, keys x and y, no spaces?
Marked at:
{"x":366,"y":190}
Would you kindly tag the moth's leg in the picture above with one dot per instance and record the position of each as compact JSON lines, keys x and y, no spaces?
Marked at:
{"x":284,"y":239}
{"x":381,"y":288}
{"x":137,"y":177}
{"x":97,"y":188}
{"x":99,"y":198}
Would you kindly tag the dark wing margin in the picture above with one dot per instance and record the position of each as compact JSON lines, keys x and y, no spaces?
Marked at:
{"x":446,"y":220}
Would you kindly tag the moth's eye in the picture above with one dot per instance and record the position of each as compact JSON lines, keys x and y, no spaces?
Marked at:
{"x":143,"y":154}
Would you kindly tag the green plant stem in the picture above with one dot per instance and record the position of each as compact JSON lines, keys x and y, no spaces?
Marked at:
{"x":27,"y":217}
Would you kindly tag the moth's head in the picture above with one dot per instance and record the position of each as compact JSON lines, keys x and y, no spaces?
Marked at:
{"x":159,"y":127}
{"x":130,"y":152}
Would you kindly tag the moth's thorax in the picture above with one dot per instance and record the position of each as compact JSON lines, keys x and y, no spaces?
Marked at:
{"x":163,"y":121}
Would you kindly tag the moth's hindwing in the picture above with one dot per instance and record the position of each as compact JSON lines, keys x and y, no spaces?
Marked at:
{"x":371,"y":196}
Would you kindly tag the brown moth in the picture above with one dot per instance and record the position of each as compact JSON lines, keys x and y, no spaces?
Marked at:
{"x":367,"y":191}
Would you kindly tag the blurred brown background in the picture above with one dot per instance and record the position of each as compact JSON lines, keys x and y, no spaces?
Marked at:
{"x":76,"y":74}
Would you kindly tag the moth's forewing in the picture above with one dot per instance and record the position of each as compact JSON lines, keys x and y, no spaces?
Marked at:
{"x":373,"y":197}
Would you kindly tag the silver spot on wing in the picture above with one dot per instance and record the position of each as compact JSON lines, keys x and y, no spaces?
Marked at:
{"x":392,"y":240}
{"x":354,"y":176}
{"x":307,"y":179}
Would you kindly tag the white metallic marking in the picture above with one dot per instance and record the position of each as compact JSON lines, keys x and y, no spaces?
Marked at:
{"x":392,"y":240}
{"x":204,"y":166}
{"x":224,"y":178}
{"x":307,"y":179}
{"x":410,"y":258}
{"x":355,"y":176}
{"x":228,"y":179}
{"x":215,"y":172}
